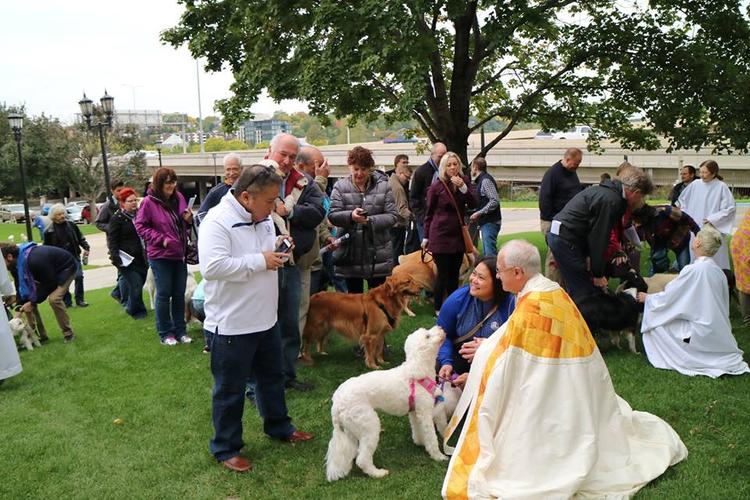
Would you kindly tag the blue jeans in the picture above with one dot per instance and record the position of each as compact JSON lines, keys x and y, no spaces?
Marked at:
{"x":288,"y":314}
{"x":132,"y":288}
{"x":169,"y":277}
{"x":420,"y":230}
{"x":683,"y":257}
{"x":78,"y":286}
{"x":489,"y":232}
{"x":339,"y":284}
{"x":234,"y":358}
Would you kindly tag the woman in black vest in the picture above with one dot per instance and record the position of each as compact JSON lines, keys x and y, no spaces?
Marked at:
{"x":62,"y":233}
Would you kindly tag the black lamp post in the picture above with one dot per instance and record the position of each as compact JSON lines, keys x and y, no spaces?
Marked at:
{"x":158,"y":145}
{"x":16,"y":124}
{"x":87,"y":110}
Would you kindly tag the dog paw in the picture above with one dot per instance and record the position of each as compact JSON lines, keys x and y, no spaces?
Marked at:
{"x":378,"y":473}
{"x":439,"y":457}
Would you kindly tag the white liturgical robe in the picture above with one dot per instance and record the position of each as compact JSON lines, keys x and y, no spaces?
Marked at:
{"x":711,"y":201}
{"x":686,"y":327}
{"x":10,"y":364}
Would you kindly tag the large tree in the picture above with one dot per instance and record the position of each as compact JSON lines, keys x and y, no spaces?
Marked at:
{"x":680,"y":64}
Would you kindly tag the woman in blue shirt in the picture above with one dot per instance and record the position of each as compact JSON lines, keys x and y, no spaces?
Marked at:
{"x":478,"y":309}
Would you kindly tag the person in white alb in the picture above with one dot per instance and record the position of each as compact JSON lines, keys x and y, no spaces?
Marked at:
{"x":239,"y":264}
{"x":686,"y":327}
{"x":10,"y":363}
{"x":710,"y":200}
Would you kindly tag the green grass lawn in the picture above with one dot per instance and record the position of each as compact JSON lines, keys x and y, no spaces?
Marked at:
{"x":17,"y":230}
{"x":59,"y":439}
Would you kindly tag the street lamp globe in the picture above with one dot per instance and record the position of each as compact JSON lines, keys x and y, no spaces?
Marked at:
{"x":87,"y":107}
{"x":158,"y":145}
{"x":15,"y":121}
{"x":108,"y":104}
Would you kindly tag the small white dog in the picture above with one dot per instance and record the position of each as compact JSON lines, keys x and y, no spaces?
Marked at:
{"x":26,"y":335}
{"x":445,"y":406}
{"x":408,"y":388}
{"x":150,"y":286}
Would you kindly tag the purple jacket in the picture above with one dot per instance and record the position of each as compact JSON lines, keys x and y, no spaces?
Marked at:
{"x":441,"y":226}
{"x":155,"y":224}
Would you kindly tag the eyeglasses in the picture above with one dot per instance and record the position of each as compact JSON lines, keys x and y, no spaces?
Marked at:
{"x":500,"y":271}
{"x":173,"y":181}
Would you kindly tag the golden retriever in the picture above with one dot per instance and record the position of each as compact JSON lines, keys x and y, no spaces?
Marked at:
{"x":420,"y":268}
{"x":366,"y":317}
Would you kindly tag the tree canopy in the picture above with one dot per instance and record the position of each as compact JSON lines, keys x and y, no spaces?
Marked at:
{"x":682,"y":65}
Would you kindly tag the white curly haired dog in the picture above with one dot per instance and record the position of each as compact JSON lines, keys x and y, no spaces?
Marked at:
{"x":26,"y":335}
{"x":408,"y":388}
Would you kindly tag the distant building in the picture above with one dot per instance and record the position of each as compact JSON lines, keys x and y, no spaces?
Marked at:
{"x":141,"y":118}
{"x":255,"y":131}
{"x":172,"y":141}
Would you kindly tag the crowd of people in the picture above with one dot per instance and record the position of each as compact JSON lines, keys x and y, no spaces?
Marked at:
{"x":274,"y":233}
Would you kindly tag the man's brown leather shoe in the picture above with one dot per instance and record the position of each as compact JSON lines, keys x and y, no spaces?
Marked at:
{"x":298,"y":436}
{"x":237,"y":464}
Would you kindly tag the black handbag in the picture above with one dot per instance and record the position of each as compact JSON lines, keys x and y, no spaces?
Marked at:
{"x":191,"y":249}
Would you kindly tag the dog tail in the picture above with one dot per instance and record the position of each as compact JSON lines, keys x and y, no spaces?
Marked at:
{"x":342,"y":449}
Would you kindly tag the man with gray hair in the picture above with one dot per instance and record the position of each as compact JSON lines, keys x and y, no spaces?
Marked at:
{"x":581,"y":231}
{"x":232,"y":167}
{"x":302,"y":221}
{"x":240,"y":266}
{"x":540,"y":383}
{"x":686,"y":327}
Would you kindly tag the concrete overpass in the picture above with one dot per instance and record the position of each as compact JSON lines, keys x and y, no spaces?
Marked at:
{"x":518,"y":159}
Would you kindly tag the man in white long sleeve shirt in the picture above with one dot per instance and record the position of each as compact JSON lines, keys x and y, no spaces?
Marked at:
{"x":238,"y":262}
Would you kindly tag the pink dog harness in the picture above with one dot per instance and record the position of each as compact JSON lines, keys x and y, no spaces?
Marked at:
{"x":428,"y":384}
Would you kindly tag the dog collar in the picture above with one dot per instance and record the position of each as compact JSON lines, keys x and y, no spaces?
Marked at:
{"x":428,"y":384}
{"x":391,"y":319}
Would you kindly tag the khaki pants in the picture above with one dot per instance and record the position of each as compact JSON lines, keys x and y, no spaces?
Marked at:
{"x":551,"y":270}
{"x":58,"y":307}
{"x":304,"y":299}
{"x":36,"y":323}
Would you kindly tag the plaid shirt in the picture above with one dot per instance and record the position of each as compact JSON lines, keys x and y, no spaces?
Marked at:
{"x":670,"y":228}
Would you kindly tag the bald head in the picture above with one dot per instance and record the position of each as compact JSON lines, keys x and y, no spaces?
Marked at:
{"x":308,"y":158}
{"x":437,"y":152}
{"x":572,"y":158}
{"x":283,"y":150}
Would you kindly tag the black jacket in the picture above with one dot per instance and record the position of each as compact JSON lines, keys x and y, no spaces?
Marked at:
{"x":212,"y":199}
{"x":123,"y":236}
{"x":420,"y":183}
{"x":72,"y":241}
{"x":559,"y":185}
{"x":308,"y":212}
{"x":105,"y":214}
{"x":50,"y":267}
{"x":587,"y":220}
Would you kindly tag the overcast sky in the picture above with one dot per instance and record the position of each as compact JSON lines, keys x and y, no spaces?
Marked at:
{"x":51,"y":51}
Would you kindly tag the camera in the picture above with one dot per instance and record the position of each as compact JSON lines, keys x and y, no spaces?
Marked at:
{"x":284,"y":246}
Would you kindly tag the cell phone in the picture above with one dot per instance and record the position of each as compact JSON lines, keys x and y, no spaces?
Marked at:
{"x":191,"y":202}
{"x":364,"y":213}
{"x":284,"y":246}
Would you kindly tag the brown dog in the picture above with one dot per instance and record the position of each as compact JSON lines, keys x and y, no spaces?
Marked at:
{"x":420,"y":268}
{"x":366,"y":317}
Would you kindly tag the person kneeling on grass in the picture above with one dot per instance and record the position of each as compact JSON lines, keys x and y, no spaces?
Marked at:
{"x":686,"y":327}
{"x":42,"y":272}
{"x":239,"y":267}
{"x":470,"y":315}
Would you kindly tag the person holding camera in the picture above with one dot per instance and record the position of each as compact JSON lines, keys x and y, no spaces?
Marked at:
{"x":363,"y":206}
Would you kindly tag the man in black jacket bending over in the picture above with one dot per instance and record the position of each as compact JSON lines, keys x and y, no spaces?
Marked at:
{"x":52,"y":270}
{"x":582,"y":229}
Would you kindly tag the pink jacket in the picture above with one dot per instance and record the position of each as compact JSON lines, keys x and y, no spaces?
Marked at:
{"x":156,"y":223}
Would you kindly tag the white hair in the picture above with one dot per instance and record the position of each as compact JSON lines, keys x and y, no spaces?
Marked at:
{"x":275,"y":141}
{"x":710,"y":239}
{"x":521,"y":253}
{"x":233,"y":157}
{"x":56,"y":209}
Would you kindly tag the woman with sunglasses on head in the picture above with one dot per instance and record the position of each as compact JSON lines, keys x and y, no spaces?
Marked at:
{"x":162,"y":222}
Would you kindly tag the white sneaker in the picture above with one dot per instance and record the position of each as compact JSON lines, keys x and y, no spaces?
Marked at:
{"x":169,"y":341}
{"x":185,"y":339}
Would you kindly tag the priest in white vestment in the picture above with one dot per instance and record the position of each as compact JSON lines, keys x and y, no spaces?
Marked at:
{"x":710,"y":200}
{"x":542,"y":419}
{"x":10,"y":363}
{"x":686,"y":327}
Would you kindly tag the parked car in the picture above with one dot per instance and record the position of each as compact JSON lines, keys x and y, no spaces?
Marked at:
{"x":543,"y":134}
{"x":14,"y":213}
{"x":78,"y":212}
{"x":577,"y":132}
